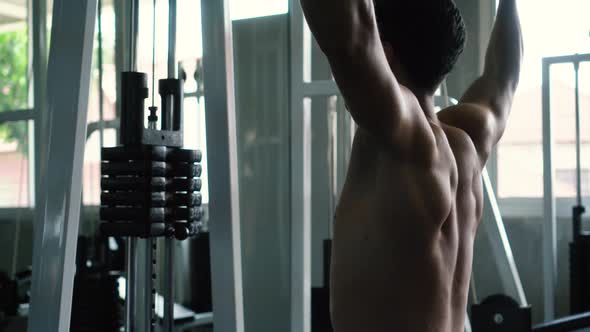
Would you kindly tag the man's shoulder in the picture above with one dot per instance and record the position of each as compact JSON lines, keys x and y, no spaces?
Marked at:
{"x":461,"y":143}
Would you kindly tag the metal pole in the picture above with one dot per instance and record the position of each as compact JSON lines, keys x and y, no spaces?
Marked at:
{"x":100,"y":76}
{"x":149,"y":289}
{"x":549,"y":225}
{"x":130,"y":285}
{"x":300,"y":114}
{"x":131,"y":297}
{"x":169,"y":241}
{"x":134,"y":28}
{"x":224,"y":203}
{"x":169,"y":285}
{"x":58,"y":209}
{"x":578,"y":137}
{"x":172,"y":66}
{"x":38,"y":24}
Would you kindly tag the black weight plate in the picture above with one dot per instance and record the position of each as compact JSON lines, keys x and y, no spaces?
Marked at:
{"x":132,"y":183}
{"x":133,"y":229}
{"x":189,"y":214}
{"x":188,"y":170}
{"x":155,"y":168}
{"x":141,"y":153}
{"x":131,"y":198}
{"x":179,"y":184}
{"x":140,"y":215}
{"x":189,"y":200}
{"x":187,"y":156}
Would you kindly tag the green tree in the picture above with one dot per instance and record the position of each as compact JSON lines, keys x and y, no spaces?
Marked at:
{"x":14,"y":83}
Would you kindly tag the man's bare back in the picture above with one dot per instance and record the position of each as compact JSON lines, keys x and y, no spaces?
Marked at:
{"x":406,"y":221}
{"x":403,"y":236}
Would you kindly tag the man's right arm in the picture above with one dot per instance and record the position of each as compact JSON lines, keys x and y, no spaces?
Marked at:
{"x":346,"y":31}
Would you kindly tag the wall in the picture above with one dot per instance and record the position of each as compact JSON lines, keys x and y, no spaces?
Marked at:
{"x":262,"y":103}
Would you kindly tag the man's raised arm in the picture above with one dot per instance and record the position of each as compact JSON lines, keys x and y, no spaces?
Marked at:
{"x":487,"y":103}
{"x":346,"y":31}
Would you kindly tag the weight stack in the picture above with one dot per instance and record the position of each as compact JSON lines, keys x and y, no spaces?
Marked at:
{"x":150,"y":191}
{"x":580,"y":274}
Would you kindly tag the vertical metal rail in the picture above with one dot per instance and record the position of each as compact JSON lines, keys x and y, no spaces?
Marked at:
{"x":58,"y":210}
{"x":168,"y":292}
{"x":130,"y":269}
{"x":131,"y":255}
{"x":100,"y":75}
{"x":224,"y":206}
{"x":38,"y":25}
{"x":172,"y":65}
{"x":549,"y":228}
{"x":579,"y":209}
{"x":133,"y":31}
{"x":149,"y":317}
{"x":300,"y":174}
{"x":578,"y":137}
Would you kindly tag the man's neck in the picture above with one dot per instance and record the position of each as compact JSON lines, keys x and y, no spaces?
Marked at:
{"x":426,"y":101}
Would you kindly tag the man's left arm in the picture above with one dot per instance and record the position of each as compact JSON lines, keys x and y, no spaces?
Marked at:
{"x":484,"y":109}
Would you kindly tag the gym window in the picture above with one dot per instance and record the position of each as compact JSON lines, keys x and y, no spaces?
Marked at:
{"x":16,"y":129}
{"x":550,"y":29}
{"x":242,"y":9}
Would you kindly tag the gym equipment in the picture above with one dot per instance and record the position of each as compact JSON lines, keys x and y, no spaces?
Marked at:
{"x":499,"y":312}
{"x":145,"y":154}
{"x":580,"y":246}
{"x":150,"y":186}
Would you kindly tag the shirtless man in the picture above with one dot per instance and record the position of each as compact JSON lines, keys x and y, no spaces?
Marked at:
{"x":406,"y":222}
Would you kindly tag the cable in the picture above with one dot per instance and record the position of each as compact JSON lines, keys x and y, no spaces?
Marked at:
{"x":154,"y":54}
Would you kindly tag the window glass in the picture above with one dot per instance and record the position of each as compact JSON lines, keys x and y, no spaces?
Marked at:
{"x":241,"y":9}
{"x":14,"y":164}
{"x":14,"y":82}
{"x":91,"y":173}
{"x":520,"y":156}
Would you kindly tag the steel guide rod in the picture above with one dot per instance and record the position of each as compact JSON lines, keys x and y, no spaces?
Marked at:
{"x":130,"y":284}
{"x":149,"y":316}
{"x":168,"y":292}
{"x":131,"y":252}
{"x":578,"y":137}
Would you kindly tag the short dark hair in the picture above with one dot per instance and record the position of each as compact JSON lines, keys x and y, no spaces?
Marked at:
{"x":427,"y":36}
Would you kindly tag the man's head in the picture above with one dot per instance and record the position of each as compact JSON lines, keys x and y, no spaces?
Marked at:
{"x":424,"y":37}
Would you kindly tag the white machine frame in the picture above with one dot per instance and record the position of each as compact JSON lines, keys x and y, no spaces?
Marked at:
{"x":549,"y":197}
{"x":58,"y":209}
